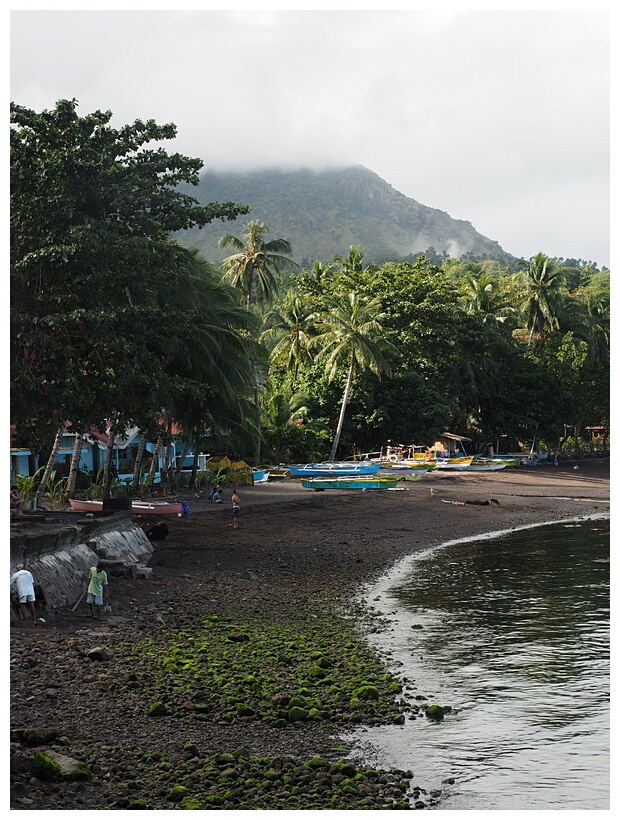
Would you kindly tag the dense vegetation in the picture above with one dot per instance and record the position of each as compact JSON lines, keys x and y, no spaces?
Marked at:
{"x":113,"y":321}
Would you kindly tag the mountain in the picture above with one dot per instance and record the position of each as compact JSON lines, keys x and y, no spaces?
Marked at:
{"x":323,"y":213}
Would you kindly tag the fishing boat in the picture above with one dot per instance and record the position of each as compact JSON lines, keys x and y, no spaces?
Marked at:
{"x":138,"y":507}
{"x":408,"y":467}
{"x":258,"y":476}
{"x":455,"y":463}
{"x":400,"y":475}
{"x":334,"y":468}
{"x":485,"y":465}
{"x":350,"y":483}
{"x":279,"y":472}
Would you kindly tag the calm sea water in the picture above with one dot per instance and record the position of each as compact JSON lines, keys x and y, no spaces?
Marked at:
{"x":512,"y":632}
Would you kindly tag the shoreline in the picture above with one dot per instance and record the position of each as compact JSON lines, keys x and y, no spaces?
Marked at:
{"x":297,"y":556}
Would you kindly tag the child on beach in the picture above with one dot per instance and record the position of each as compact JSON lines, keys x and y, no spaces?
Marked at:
{"x":236,"y":508}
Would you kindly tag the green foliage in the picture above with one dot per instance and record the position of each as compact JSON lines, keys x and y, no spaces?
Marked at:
{"x":54,"y":488}
{"x":27,"y":484}
{"x":113,"y":319}
{"x":107,"y":309}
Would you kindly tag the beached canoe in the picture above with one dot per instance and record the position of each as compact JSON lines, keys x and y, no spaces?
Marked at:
{"x":138,"y":507}
{"x":485,"y":466}
{"x":455,"y":463}
{"x":400,"y":476}
{"x":334,"y":468}
{"x":350,"y":483}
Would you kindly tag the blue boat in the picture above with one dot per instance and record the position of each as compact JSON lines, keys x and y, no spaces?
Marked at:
{"x":334,"y":468}
{"x":350,"y":482}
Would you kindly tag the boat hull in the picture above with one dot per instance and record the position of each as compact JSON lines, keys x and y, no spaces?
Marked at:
{"x":349,"y":483}
{"x":454,"y":463}
{"x":331,"y":469}
{"x":137,"y":507}
{"x":484,"y":468}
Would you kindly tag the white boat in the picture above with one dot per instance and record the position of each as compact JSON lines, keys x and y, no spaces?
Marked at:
{"x":455,"y":463}
{"x":137,"y":506}
{"x":485,"y":466}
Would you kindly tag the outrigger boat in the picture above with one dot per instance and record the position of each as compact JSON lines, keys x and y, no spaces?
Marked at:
{"x":334,"y":468}
{"x":485,"y":465}
{"x":350,"y":483}
{"x":457,"y":463}
{"x":137,"y":506}
{"x":409,"y":466}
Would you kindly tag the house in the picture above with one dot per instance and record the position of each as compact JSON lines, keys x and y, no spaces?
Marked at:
{"x":93,"y":453}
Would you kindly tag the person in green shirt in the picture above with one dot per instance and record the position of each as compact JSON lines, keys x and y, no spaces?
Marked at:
{"x":97,"y":590}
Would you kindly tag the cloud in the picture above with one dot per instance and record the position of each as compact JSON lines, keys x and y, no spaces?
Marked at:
{"x":497,"y":117}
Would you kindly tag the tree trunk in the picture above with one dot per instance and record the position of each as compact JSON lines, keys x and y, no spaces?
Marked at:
{"x":75,"y":465}
{"x":107,"y":464}
{"x":192,"y":479}
{"x":179,"y":467}
{"x":258,"y":426}
{"x":50,"y":462}
{"x":153,"y":468}
{"x":345,"y":398}
{"x":138,"y":465}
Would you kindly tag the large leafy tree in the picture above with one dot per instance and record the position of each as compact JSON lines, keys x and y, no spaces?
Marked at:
{"x":92,"y":212}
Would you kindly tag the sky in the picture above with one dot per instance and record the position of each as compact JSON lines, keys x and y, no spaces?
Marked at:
{"x":498,"y":117}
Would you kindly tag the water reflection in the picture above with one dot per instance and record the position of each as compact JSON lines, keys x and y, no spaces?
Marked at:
{"x":515,"y":637}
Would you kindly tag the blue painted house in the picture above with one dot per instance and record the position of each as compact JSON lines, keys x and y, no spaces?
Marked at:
{"x":92,"y":456}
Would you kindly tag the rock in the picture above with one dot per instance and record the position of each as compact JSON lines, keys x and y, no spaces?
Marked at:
{"x":34,"y":737}
{"x":98,"y":653}
{"x":68,"y":767}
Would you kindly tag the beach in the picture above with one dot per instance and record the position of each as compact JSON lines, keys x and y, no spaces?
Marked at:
{"x":297,"y":554}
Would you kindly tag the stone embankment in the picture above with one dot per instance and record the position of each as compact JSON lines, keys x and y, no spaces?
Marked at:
{"x":60,"y":547}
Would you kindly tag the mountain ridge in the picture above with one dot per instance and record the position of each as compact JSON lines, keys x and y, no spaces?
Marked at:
{"x":322,"y":213}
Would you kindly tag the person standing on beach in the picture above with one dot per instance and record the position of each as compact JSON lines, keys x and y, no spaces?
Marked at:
{"x":236,"y":508}
{"x":24,"y":582}
{"x":97,"y":589}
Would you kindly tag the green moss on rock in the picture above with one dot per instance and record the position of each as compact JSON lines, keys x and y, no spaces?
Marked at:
{"x":44,"y":767}
{"x":177,"y":793}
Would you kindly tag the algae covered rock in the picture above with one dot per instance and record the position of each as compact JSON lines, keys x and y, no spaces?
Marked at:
{"x":177,"y":793}
{"x":297,"y":713}
{"x":436,"y":712}
{"x":367,"y":692}
{"x":156,"y":709}
{"x":44,"y":767}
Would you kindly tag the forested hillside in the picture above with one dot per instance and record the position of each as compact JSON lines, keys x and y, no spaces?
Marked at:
{"x":323,"y":213}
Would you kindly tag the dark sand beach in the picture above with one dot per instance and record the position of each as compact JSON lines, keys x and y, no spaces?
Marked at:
{"x":294,"y":548}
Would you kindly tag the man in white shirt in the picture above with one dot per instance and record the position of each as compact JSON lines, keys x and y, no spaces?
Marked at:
{"x":24,"y":582}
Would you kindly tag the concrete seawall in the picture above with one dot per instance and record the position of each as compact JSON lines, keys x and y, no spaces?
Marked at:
{"x":60,"y":548}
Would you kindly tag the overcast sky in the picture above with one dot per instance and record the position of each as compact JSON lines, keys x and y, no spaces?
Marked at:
{"x":497,"y":117}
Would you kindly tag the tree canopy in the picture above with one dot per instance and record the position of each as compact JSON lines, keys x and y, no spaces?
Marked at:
{"x":102,"y":299}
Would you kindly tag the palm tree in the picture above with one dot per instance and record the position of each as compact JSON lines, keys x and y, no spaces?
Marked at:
{"x":75,"y":465}
{"x":50,"y":462}
{"x":540,"y":297}
{"x":480,"y":295}
{"x":352,"y":333}
{"x":253,"y":269}
{"x":291,"y":329}
{"x":255,"y":265}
